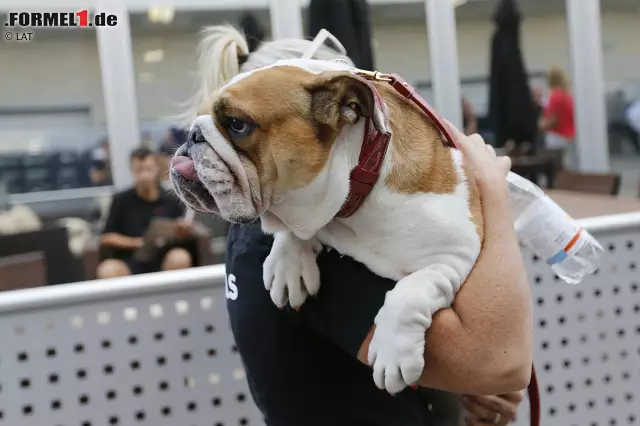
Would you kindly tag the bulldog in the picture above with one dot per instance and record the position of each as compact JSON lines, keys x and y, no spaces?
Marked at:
{"x":323,"y":156}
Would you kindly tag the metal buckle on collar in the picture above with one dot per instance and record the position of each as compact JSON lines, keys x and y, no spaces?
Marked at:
{"x":373,"y":75}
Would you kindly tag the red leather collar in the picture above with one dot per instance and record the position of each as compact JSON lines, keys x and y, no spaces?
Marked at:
{"x":374,"y":146}
{"x":366,"y":173}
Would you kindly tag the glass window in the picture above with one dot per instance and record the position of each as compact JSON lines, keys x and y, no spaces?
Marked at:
{"x":52,"y":124}
{"x":164,"y":43}
{"x":620,"y":32}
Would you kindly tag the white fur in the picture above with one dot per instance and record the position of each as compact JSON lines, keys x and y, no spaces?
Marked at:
{"x":427,"y":242}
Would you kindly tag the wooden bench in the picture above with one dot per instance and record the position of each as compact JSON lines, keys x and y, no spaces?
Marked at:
{"x":21,"y":271}
{"x":605,"y":184}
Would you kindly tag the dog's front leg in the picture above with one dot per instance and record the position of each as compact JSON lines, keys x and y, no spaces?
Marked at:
{"x":290,"y":271}
{"x":396,"y":351}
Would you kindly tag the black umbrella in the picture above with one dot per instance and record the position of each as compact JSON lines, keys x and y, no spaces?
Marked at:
{"x":252,"y":30}
{"x":350,"y":22}
{"x":511,"y":108}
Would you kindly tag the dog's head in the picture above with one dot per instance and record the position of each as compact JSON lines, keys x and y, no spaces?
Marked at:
{"x":268,"y":132}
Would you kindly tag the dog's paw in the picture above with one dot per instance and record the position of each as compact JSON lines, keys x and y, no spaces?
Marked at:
{"x":396,"y":351}
{"x":290,"y":271}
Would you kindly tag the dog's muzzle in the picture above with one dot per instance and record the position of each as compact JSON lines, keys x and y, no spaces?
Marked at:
{"x":185,"y":179}
{"x":210,"y":176}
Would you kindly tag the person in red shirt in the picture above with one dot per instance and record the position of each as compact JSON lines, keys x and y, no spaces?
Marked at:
{"x":558,"y":119}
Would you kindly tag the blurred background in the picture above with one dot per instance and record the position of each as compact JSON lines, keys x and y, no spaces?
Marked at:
{"x":52,"y":110}
{"x":74,"y":103}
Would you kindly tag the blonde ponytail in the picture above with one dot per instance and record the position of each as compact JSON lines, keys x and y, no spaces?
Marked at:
{"x":218,"y":52}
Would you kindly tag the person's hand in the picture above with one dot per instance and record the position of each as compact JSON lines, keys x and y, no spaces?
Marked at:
{"x":488,"y":169}
{"x":184,"y":228}
{"x":137,"y":242}
{"x":491,"y":410}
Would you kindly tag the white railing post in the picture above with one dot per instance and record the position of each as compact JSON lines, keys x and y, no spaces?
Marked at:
{"x":585,"y":40}
{"x":443,"y":54}
{"x":119,"y":90}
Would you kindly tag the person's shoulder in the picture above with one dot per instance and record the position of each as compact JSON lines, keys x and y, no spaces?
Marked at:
{"x":558,"y":98}
{"x":167,"y":191}
{"x":555,"y":93}
{"x":170,"y":199}
{"x":248,"y":239}
{"x":563,"y":94}
{"x":247,"y":249}
{"x":168,"y":195}
{"x":125,"y":195}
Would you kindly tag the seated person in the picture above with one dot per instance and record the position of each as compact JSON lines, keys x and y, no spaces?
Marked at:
{"x":129,"y":217}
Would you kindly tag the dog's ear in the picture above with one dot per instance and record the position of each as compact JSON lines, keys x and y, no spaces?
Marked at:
{"x":339,"y":98}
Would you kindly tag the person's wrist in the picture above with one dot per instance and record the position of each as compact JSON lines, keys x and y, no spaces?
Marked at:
{"x":494,"y":189}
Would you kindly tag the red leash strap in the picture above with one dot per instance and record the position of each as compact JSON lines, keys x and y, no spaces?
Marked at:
{"x":534,"y":399}
{"x":406,"y":90}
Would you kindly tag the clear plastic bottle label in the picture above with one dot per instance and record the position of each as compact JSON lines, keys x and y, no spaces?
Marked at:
{"x":547,"y":230}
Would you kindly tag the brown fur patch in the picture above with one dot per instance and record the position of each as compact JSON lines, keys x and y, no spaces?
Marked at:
{"x":285,"y":147}
{"x":421,"y":160}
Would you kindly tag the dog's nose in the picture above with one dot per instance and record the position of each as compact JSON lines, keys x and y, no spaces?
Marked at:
{"x":196,"y":135}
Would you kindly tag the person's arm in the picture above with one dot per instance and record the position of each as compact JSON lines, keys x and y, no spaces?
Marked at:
{"x":549,"y":119}
{"x":549,"y":122}
{"x":120,"y":241}
{"x":184,"y":218}
{"x":112,"y":234}
{"x":483,"y":344}
{"x":176,"y":209}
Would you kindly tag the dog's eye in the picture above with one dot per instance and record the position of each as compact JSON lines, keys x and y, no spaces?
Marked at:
{"x":239,"y":129}
{"x":237,"y":126}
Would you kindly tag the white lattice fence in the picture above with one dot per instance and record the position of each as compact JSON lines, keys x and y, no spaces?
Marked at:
{"x":149,"y":354}
{"x":587,"y":337}
{"x":157,"y":349}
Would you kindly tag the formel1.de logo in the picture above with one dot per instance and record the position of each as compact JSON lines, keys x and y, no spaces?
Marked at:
{"x":81,"y":18}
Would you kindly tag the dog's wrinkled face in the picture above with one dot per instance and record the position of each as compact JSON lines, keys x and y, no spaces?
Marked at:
{"x":263,"y":134}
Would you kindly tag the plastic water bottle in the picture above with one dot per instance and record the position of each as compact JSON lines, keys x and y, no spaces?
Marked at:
{"x":551,"y":233}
